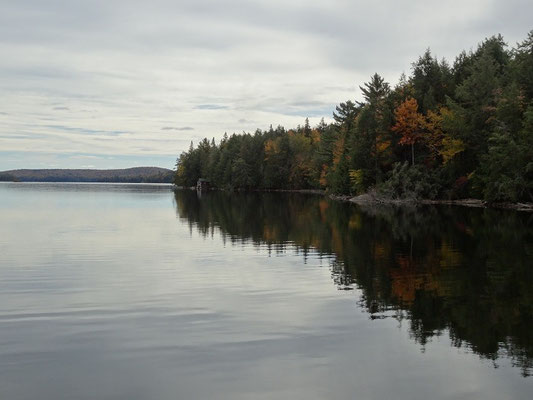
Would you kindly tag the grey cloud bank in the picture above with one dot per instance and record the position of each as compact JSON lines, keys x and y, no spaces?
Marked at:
{"x":129,"y":79}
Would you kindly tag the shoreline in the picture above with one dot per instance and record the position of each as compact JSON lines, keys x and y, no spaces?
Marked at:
{"x":371,"y":199}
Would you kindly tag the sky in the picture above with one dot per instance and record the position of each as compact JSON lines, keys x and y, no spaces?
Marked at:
{"x":123,"y":83}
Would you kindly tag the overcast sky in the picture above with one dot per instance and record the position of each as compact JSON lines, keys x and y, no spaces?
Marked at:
{"x":112,"y":84}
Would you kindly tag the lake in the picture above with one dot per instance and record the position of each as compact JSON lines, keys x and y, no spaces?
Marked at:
{"x":139,"y":292}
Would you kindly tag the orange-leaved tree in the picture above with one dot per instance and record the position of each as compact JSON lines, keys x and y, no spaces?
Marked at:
{"x":409,"y":124}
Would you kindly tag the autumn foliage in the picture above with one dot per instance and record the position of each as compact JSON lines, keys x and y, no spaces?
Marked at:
{"x":409,"y":124}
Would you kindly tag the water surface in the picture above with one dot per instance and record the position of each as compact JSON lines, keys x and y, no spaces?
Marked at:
{"x":137,"y":292}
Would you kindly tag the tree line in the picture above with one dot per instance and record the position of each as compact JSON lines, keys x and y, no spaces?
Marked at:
{"x":445,"y":131}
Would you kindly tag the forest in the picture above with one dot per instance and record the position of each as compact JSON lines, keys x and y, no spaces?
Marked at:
{"x":446,"y":131}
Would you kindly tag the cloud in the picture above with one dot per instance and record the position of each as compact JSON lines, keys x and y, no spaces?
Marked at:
{"x":128,"y":70}
{"x":84,"y":156}
{"x":177,"y":128}
{"x":16,"y":136}
{"x":84,"y":131}
{"x":210,"y":107}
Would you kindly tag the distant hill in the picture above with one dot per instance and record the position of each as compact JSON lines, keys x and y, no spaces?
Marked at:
{"x":128,"y":175}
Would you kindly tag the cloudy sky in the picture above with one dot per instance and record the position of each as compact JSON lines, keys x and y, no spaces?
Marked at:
{"x":112,"y":84}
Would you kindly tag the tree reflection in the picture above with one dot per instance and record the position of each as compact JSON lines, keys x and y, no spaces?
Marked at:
{"x":457,"y":270}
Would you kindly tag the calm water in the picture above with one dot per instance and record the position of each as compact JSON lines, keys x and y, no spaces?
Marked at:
{"x":137,"y":292}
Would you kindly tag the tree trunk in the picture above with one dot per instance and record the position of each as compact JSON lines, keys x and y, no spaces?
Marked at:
{"x":412,"y":154}
{"x":376,"y":161}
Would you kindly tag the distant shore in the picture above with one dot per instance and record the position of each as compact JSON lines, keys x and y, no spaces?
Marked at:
{"x":125,"y":175}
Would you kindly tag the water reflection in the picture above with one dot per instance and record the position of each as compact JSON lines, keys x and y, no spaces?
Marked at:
{"x":463,"y":272}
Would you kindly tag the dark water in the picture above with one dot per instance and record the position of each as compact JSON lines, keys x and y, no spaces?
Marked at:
{"x":134,"y":292}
